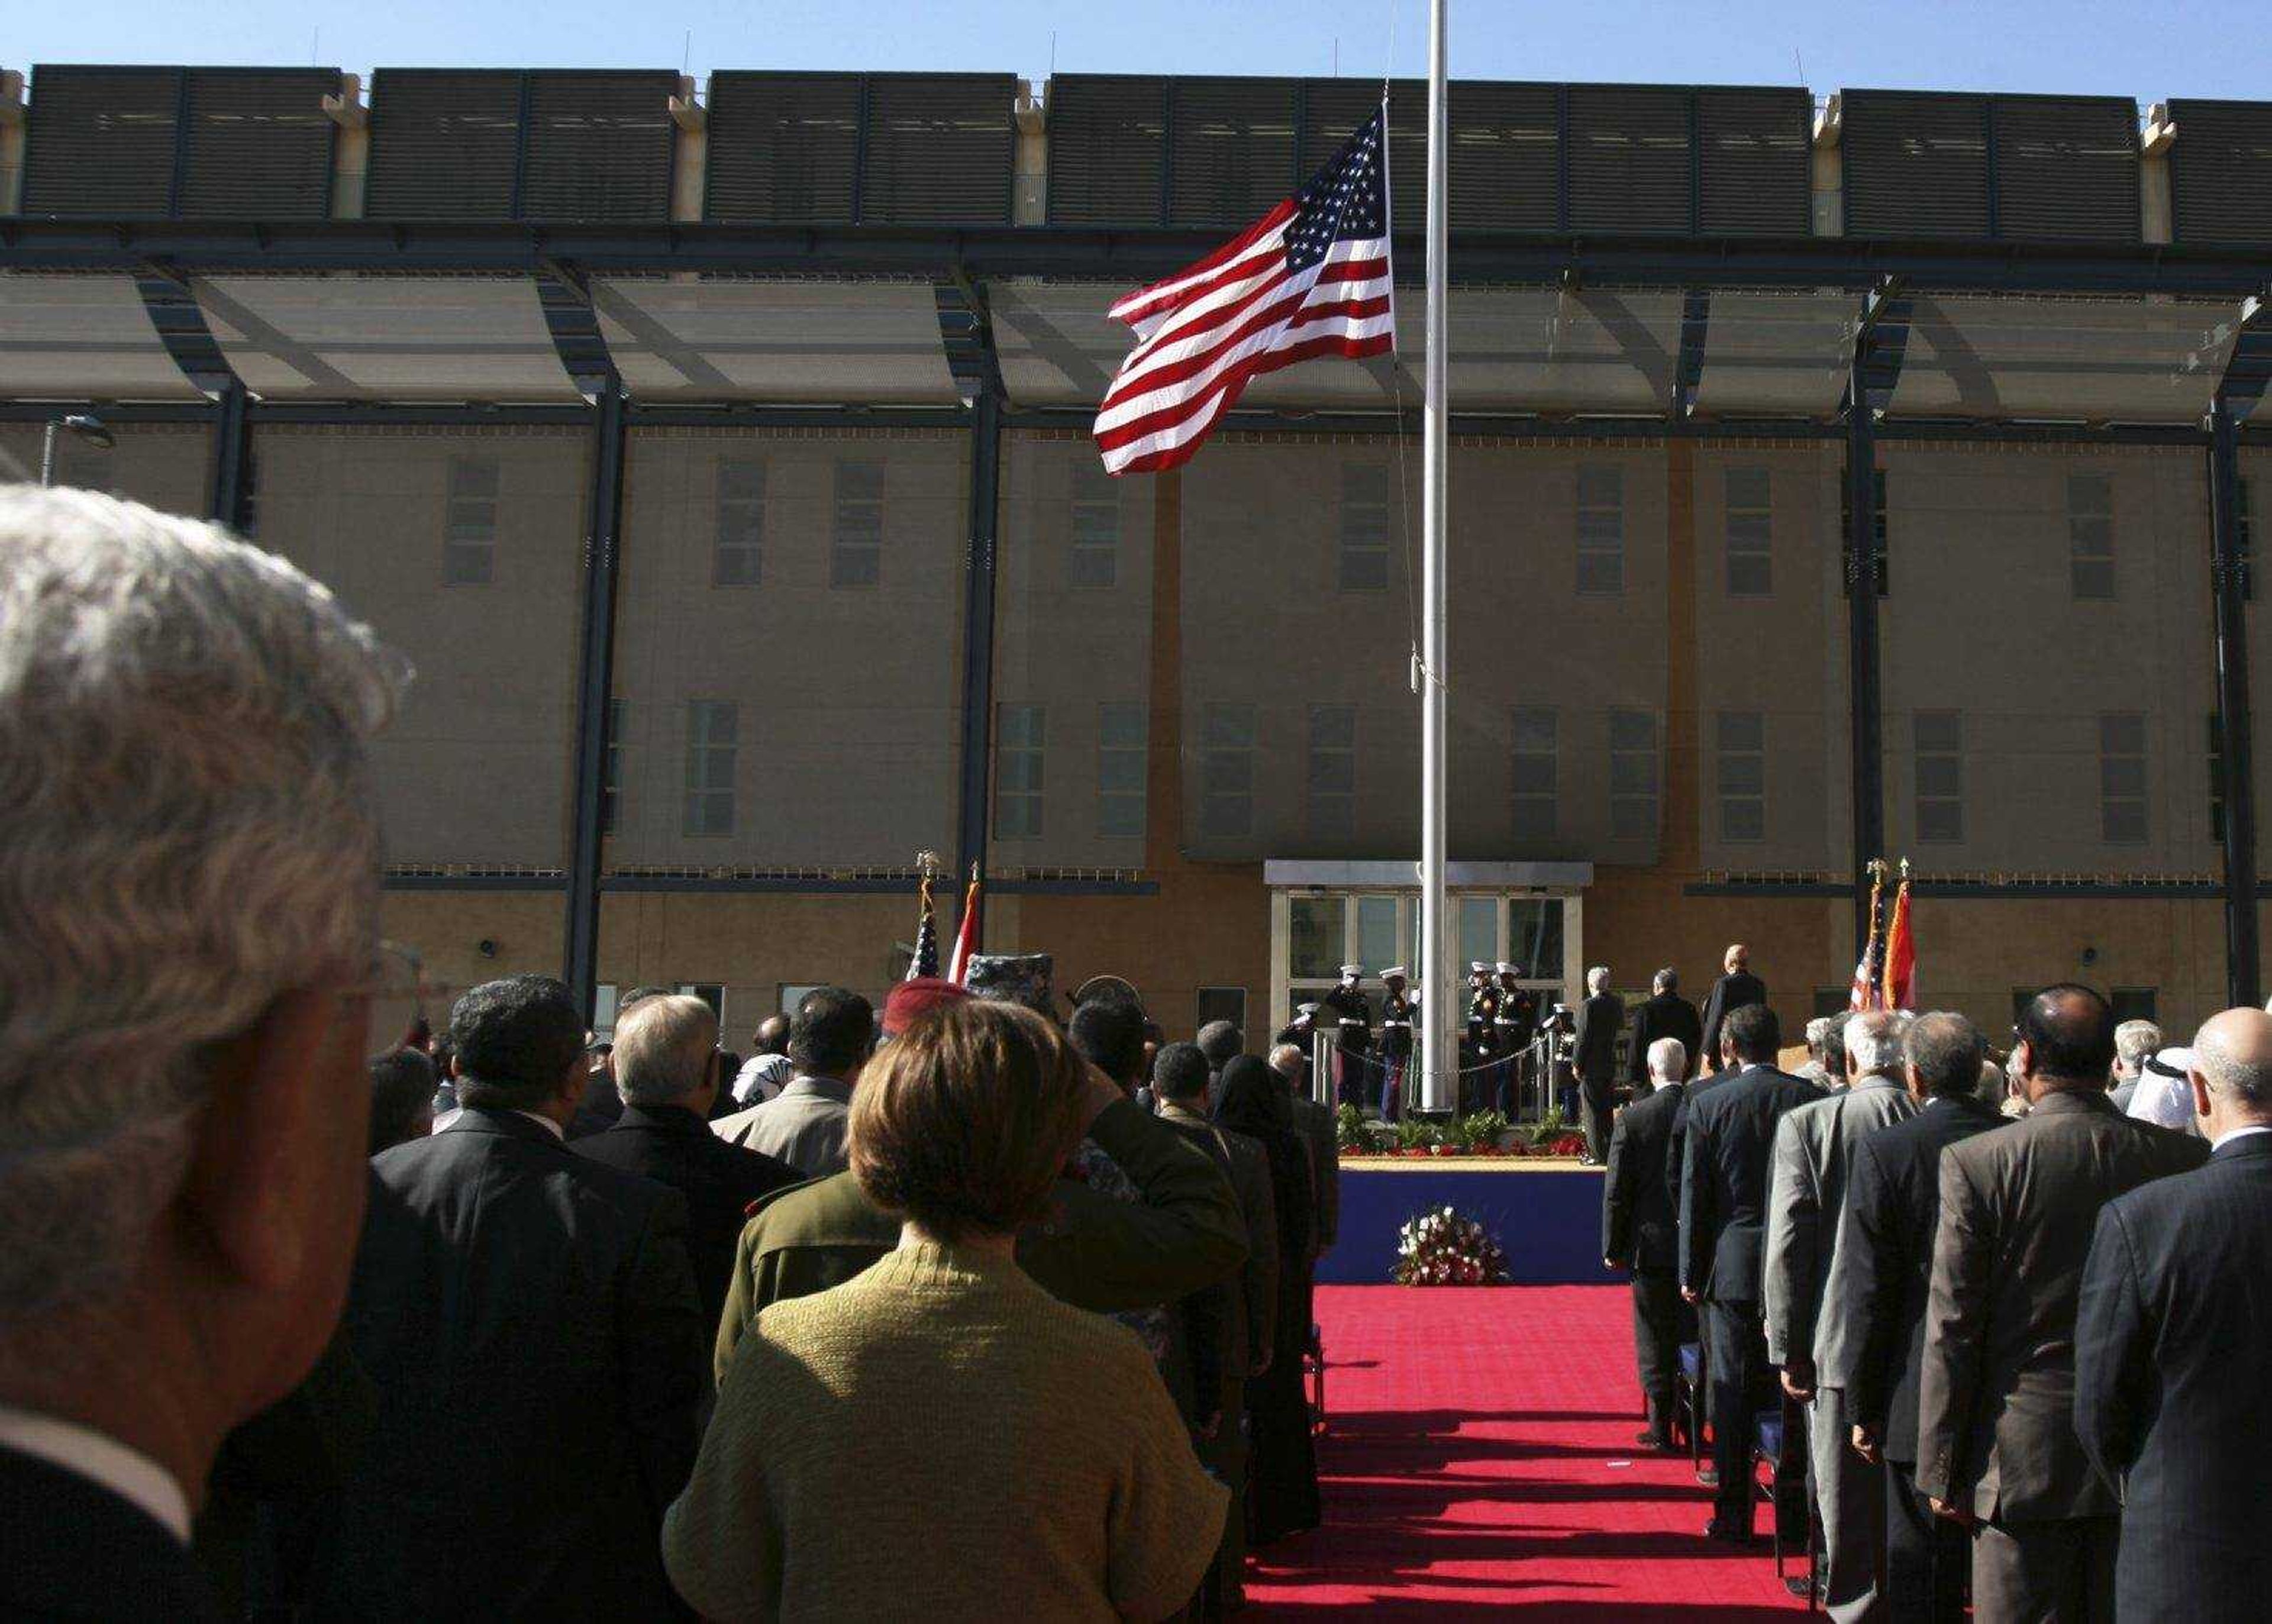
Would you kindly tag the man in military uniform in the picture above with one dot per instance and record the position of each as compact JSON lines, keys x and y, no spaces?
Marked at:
{"x":1482,"y":1010}
{"x":1513,"y":1024}
{"x":1398,"y":1009}
{"x":1353,"y":1047}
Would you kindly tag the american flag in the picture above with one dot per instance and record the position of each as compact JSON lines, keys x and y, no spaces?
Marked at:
{"x":925,"y":961}
{"x":1309,"y":278}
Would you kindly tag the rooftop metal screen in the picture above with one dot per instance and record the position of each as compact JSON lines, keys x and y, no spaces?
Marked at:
{"x":783,"y":147}
{"x":937,"y":149}
{"x":598,"y":147}
{"x":1630,"y":158}
{"x":1108,"y":150}
{"x":100,"y":142}
{"x":1755,"y":162}
{"x":1230,"y":149}
{"x":2220,"y":172}
{"x":444,"y":144}
{"x":2066,"y":168}
{"x":1505,"y":163}
{"x":1915,"y":165}
{"x":260,"y":144}
{"x":1332,"y":108}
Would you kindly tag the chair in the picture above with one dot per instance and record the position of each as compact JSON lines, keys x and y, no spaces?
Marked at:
{"x":1313,"y":1368}
{"x":1770,"y":1432}
{"x":1688,"y":1398}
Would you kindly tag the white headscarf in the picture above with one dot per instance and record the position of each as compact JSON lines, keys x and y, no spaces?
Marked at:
{"x":761,"y":1077}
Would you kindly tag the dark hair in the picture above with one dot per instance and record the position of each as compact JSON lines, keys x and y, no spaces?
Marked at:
{"x":966,"y":1121}
{"x":1108,"y":1034}
{"x":401,"y":1089}
{"x":1667,"y":980}
{"x":1179,"y":1072}
{"x":1254,"y":1102}
{"x":1946,"y":1052}
{"x":516,"y":1040}
{"x":833,"y":1030}
{"x":772,"y":1036}
{"x":1221,"y":1042}
{"x":1753,"y":1032}
{"x":2069,"y":1031}
{"x":1833,"y":1048}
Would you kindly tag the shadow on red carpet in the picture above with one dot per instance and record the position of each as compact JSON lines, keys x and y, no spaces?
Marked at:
{"x":1480,"y":1456}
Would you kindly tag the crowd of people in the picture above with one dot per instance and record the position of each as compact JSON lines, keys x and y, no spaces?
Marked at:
{"x":1981,"y":1319}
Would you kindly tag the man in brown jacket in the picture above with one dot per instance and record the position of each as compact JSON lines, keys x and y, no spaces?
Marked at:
{"x":1997,"y":1447}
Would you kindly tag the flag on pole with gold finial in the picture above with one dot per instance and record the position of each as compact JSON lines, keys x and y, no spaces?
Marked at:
{"x":1869,"y":973}
{"x":924,"y":962}
{"x":965,"y":935}
{"x":1899,"y":988}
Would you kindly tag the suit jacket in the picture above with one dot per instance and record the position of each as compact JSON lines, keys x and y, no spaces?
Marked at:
{"x":78,"y":1551}
{"x":1728,"y":993}
{"x":1996,"y":1388}
{"x":1665,"y":1015}
{"x":1725,"y":1154}
{"x":807,"y":1125}
{"x":1315,"y":1121}
{"x":1092,"y":1250}
{"x":1253,"y":1297}
{"x":1813,"y":1155}
{"x":719,"y":1180}
{"x":1640,"y":1224}
{"x":2176,"y":1304}
{"x":1885,"y":1265}
{"x":1593,"y":1050}
{"x":529,"y":1320}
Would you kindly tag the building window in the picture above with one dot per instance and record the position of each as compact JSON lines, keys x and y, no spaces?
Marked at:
{"x":711,"y":993}
{"x":2122,"y":778}
{"x":1365,"y":527}
{"x":1741,"y":752}
{"x":603,"y":1008}
{"x":1226,"y":770}
{"x":1600,"y":529}
{"x":611,"y":780}
{"x":1538,"y":778}
{"x":469,"y":522}
{"x":1018,"y":731}
{"x":1222,"y":1004}
{"x":1633,"y":774}
{"x":1120,"y":746}
{"x":711,"y":727}
{"x":2215,"y":779}
{"x":2090,"y":534}
{"x":1939,"y":738}
{"x":2134,"y":1003}
{"x":1332,"y":770}
{"x":1317,"y":946}
{"x":855,"y":554}
{"x":1479,"y":933}
{"x":1751,"y":556}
{"x":1093,"y":561}
{"x":1878,"y":548}
{"x":737,"y":559}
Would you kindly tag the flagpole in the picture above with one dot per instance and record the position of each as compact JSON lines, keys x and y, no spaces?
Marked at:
{"x":1439,"y":1073}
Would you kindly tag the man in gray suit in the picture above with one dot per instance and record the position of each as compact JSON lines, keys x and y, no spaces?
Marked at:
{"x":1997,"y":1445}
{"x":1813,"y":1152}
{"x":808,"y":1123}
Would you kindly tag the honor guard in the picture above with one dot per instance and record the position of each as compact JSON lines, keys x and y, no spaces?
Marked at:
{"x":1513,"y":1028}
{"x":1483,"y":1006}
{"x":1398,"y":1010}
{"x":1352,"y":1047}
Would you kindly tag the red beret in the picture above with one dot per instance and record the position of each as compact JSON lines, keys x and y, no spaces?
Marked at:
{"x":910,"y":998}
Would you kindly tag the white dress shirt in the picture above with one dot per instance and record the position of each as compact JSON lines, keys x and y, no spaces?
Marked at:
{"x":104,"y":1461}
{"x":2227,"y":1137}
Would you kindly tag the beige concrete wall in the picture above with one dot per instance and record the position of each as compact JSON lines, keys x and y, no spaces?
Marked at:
{"x":447,"y":928}
{"x":850,"y":699}
{"x":475,"y":769}
{"x":169,"y":465}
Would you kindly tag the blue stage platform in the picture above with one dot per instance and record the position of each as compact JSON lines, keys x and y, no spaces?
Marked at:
{"x":1547,"y":1218}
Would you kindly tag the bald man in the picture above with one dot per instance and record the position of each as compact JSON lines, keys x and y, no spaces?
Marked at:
{"x":1735,"y":989}
{"x":2177,"y":1301}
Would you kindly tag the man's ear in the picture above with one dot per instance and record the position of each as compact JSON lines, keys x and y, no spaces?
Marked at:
{"x":2200,"y":1094}
{"x":255,"y":1150}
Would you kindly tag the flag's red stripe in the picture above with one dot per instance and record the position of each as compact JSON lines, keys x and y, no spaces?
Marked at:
{"x":1176,"y":405}
{"x":1227,"y":395}
{"x":1240,"y":317}
{"x":1133,"y":306}
{"x":1281,"y":311}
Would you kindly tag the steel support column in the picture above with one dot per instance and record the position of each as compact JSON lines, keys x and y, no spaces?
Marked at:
{"x":232,"y":457}
{"x":2229,"y":576}
{"x":978,"y":573}
{"x":1868,"y":771}
{"x":595,"y":682}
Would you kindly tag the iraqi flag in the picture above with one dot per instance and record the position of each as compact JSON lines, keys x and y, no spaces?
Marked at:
{"x":1900,"y":984}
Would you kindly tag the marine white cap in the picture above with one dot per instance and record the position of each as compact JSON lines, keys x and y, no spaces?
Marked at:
{"x":1506,"y":967}
{"x":1394,"y":972}
{"x":1349,"y":970}
{"x":1476,"y":967}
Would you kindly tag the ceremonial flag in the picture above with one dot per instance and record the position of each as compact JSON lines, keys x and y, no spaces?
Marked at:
{"x":1868,"y":974}
{"x":925,"y":961}
{"x":1309,"y":278}
{"x":1901,"y":954}
{"x":966,"y":936}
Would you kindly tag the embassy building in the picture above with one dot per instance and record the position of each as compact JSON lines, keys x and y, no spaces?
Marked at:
{"x":719,"y":456}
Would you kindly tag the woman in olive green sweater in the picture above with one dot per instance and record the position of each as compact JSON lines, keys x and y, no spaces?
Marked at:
{"x":940,"y":1439}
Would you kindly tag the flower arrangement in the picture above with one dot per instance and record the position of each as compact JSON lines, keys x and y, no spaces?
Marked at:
{"x":1484,"y":1135}
{"x":1446,"y":1247}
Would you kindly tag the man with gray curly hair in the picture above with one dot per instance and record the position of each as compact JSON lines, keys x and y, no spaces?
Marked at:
{"x":189,"y":874}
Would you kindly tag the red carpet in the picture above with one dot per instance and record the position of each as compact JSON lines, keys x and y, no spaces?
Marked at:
{"x":1481,"y":1456}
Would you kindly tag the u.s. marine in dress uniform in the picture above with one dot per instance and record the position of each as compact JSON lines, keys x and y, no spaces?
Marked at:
{"x":1399,"y":1010}
{"x":1346,"y":1007}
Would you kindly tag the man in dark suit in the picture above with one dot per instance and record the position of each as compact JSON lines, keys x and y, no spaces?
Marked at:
{"x":1665,"y":1014}
{"x":1594,"y":1057}
{"x":1997,"y":1448}
{"x":1731,"y":992}
{"x":2176,"y":1299}
{"x":1641,"y":1232}
{"x":666,"y":1064}
{"x":1725,"y":1159}
{"x":531,"y":1323}
{"x":1885,"y":1263}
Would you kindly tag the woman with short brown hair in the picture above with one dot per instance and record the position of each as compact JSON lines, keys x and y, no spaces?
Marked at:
{"x":939,"y":1436}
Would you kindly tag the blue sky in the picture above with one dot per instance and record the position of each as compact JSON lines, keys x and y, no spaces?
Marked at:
{"x":2148,"y":51}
